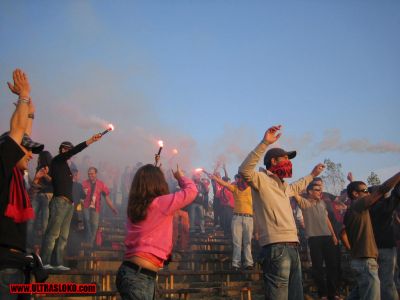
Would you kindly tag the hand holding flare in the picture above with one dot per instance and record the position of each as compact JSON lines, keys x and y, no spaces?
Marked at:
{"x":157,"y":156}
{"x":110,"y":128}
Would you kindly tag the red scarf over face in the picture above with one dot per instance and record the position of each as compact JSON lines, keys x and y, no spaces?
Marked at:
{"x":282,"y":169}
{"x":241,"y":184}
{"x":19,"y":206}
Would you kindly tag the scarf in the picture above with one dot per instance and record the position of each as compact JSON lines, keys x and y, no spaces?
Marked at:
{"x":19,"y":206}
{"x":283,"y":169}
{"x":241,"y":184}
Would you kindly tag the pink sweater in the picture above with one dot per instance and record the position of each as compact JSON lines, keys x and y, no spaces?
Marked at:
{"x":154,"y":234}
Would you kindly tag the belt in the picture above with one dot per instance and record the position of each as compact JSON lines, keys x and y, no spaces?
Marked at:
{"x":243,"y":215}
{"x":288,"y":244}
{"x":139,"y":269}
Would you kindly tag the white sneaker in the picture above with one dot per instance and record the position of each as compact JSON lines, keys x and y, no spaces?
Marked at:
{"x":61,"y":268}
{"x":48,"y":267}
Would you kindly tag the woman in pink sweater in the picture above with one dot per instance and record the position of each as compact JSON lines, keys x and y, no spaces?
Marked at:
{"x":149,"y":229}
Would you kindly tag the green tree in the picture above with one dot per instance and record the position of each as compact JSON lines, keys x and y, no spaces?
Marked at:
{"x":373,"y":179}
{"x":333,"y":177}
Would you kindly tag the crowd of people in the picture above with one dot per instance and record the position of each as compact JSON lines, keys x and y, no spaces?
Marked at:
{"x":163,"y":209}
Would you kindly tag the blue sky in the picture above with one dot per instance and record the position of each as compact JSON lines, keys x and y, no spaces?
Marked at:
{"x":209,"y":77}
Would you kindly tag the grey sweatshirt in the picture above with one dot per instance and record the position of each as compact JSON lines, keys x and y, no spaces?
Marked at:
{"x":271,"y":201}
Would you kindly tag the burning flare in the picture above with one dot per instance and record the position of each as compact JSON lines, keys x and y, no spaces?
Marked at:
{"x":161,"y":145}
{"x":110,"y":128}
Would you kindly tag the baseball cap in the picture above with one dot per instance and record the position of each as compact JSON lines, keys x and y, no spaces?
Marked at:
{"x":66,"y":144}
{"x":27,"y":142}
{"x":277,"y":152}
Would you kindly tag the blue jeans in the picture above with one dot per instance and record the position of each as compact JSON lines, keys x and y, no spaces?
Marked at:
{"x":91,"y":221}
{"x":366,"y":274}
{"x":195,"y":209}
{"x":61,"y":212}
{"x":133,"y":285}
{"x":282,"y":272}
{"x":242,"y":232}
{"x":8,"y":276}
{"x":387,"y":260}
{"x":40,"y":204}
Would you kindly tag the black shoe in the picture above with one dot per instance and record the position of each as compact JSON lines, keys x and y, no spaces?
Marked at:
{"x":249,"y":268}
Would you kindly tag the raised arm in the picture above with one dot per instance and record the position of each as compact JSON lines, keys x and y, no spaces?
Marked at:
{"x":222,"y":182}
{"x":225,"y":171}
{"x":372,"y":198}
{"x":247,"y":167}
{"x":301,"y":184}
{"x":302,"y":202}
{"x":19,"y":120}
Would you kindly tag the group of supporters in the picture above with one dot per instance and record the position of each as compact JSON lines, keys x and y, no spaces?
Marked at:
{"x":256,"y":202}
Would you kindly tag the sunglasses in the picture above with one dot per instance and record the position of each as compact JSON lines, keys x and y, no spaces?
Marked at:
{"x":364,"y":191}
{"x":316,"y":190}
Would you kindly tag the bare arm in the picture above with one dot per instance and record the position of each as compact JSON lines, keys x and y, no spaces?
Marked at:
{"x":225,"y":172}
{"x":345,"y":239}
{"x":334,"y":238}
{"x":111,"y":205}
{"x":19,"y":120}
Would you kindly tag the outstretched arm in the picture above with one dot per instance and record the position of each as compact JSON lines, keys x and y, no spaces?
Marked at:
{"x":223,"y":183}
{"x":385,"y":187}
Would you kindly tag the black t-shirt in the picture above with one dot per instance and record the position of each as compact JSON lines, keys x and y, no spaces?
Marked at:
{"x":12,"y":235}
{"x":61,"y":174}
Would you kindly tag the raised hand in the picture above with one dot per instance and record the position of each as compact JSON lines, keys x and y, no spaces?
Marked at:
{"x":178,"y":174}
{"x":350,"y":177}
{"x":21,"y":85}
{"x":318,"y":169}
{"x":272,"y":134}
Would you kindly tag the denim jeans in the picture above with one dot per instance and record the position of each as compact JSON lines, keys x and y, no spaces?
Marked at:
{"x":282,"y":272}
{"x":242,"y":232}
{"x":196,"y":209}
{"x":91,"y":221}
{"x":366,"y":274}
{"x":8,"y":276}
{"x":61,"y":212}
{"x":387,"y":259}
{"x":133,"y":285}
{"x":40,"y":204}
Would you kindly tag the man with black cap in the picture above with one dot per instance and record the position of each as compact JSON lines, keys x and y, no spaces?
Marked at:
{"x":16,"y":150}
{"x":61,"y":206}
{"x":277,"y":228}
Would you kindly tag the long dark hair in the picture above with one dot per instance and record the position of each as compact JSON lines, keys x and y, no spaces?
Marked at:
{"x":148,"y":183}
{"x":44,"y":160}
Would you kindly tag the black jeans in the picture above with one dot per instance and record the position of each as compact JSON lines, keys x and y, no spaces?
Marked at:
{"x":322,"y":249}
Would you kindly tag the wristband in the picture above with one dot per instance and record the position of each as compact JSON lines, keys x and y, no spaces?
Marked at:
{"x":24,"y":100}
{"x":31,"y":116}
